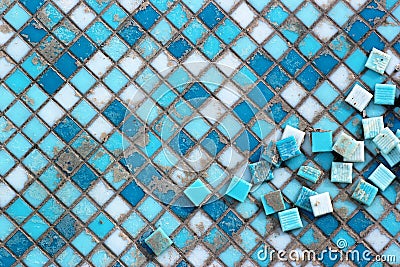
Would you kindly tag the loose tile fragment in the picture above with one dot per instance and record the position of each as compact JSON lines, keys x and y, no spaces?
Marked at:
{"x":321,"y":204}
{"x":341,"y":172}
{"x":358,"y":155}
{"x":270,"y":175}
{"x":238,"y":189}
{"x":321,"y":141}
{"x":382,"y":177}
{"x":290,"y":219}
{"x":270,"y":154}
{"x":345,"y":145}
{"x":303,"y":200}
{"x":158,"y":241}
{"x":359,"y":98}
{"x":288,"y":148}
{"x":384,"y":94}
{"x":309,"y":173}
{"x":273,"y":202}
{"x":393,"y":157}
{"x":296,"y":133}
{"x":259,"y":171}
{"x":372,"y":126}
{"x":377,"y":61}
{"x":365,"y":192}
{"x":386,"y":141}
{"x":197,"y":192}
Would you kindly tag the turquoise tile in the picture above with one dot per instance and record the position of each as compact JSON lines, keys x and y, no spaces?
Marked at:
{"x":84,"y":243}
{"x":194,"y":31}
{"x":276,"y":46}
{"x":19,"y":146}
{"x":34,"y":66}
{"x":19,"y":210}
{"x":276,"y":15}
{"x":178,"y":16}
{"x":17,"y":16}
{"x":340,"y":13}
{"x":18,"y":113}
{"x":7,"y":227}
{"x":308,"y":14}
{"x":244,"y":47}
{"x":35,"y":227}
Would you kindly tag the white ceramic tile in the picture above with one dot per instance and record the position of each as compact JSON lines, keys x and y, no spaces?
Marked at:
{"x":321,"y":204}
{"x":100,"y":128}
{"x":131,"y":63}
{"x":377,"y":239}
{"x":99,"y":96}
{"x":169,"y":257}
{"x":132,"y":96}
{"x":66,"y":5}
{"x":342,"y":77}
{"x":6,"y":66}
{"x":310,"y":109}
{"x":261,"y":30}
{"x":394,"y":61}
{"x":296,"y":133}
{"x":130,"y":5}
{"x":6,"y":33}
{"x":293,"y":93}
{"x":228,"y":94}
{"x":117,"y":242}
{"x":200,"y":223}
{"x":6,"y":194}
{"x":99,"y":64}
{"x":198,"y":256}
{"x":101,"y":193}
{"x":82,"y":16}
{"x":243,"y":15}
{"x":231,"y":158}
{"x":17,"y":48}
{"x":325,"y":29}
{"x":164,"y":63}
{"x":67,"y":96}
{"x":281,"y":175}
{"x":117,"y":208}
{"x":356,"y":4}
{"x":279,"y":240}
{"x":196,"y":63}
{"x":18,"y":178}
{"x":228,"y":63}
{"x":213,"y":110}
{"x":51,"y":113}
{"x":227,"y":4}
{"x":324,"y":4}
{"x":359,"y":98}
{"x":359,"y":155}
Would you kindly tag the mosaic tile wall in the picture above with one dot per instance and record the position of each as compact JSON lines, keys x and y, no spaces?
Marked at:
{"x":110,"y":109}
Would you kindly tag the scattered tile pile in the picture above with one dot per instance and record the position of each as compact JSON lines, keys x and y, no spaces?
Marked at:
{"x":351,"y":150}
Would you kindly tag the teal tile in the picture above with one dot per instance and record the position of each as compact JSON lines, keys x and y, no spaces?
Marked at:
{"x":158,"y":241}
{"x":308,"y":14}
{"x":290,"y":219}
{"x":197,"y":192}
{"x":7,"y":162}
{"x":238,"y":189}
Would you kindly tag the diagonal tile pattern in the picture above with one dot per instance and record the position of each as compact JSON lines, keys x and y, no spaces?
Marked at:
{"x":110,"y":109}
